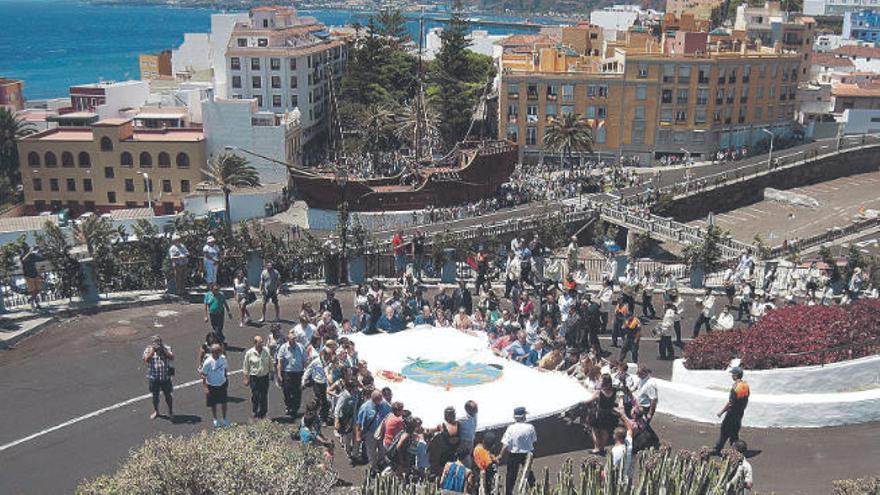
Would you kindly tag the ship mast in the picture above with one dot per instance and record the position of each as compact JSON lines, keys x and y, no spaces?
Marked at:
{"x":420,"y":91}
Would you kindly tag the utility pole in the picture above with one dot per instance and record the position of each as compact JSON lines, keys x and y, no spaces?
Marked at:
{"x":420,"y":91}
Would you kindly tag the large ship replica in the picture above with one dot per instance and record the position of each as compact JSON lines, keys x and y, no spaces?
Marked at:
{"x":473,"y":170}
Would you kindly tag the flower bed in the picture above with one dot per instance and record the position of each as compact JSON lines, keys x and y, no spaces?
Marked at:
{"x":793,"y":336}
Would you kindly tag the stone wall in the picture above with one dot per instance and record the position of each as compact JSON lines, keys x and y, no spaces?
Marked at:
{"x":742,"y":193}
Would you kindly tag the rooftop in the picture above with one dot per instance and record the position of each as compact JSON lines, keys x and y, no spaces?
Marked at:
{"x":830,"y":60}
{"x":106,"y":84}
{"x":144,"y":135}
{"x":131,"y":213}
{"x":856,"y":90}
{"x":17,"y":224}
{"x":857,"y":51}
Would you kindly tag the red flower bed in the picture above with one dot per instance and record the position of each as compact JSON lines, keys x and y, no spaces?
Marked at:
{"x":785,"y":338}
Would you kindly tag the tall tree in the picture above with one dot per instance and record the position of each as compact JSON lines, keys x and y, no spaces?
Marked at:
{"x":568,"y":134}
{"x":377,"y":131}
{"x":392,"y":26}
{"x":12,"y":129}
{"x":228,"y":172}
{"x":450,"y":77}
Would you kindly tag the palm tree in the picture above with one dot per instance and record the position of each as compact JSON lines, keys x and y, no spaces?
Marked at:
{"x":568,"y":134}
{"x":230,"y":171}
{"x":377,"y":131}
{"x":12,"y":129}
{"x":412,"y":114}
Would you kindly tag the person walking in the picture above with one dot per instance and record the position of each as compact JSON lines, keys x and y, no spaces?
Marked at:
{"x":270,"y":282}
{"x":399,"y":249}
{"x":211,"y":260}
{"x":158,"y":357}
{"x":216,"y":309}
{"x":733,"y":411}
{"x":632,"y":336}
{"x":243,"y":296}
{"x":517,"y":443}
{"x":28,"y":259}
{"x":706,"y":305}
{"x":665,"y":330}
{"x":289,"y":366}
{"x":179,"y":256}
{"x":647,"y":284}
{"x":215,"y":380}
{"x":256,"y":368}
{"x":370,"y":416}
{"x":418,"y":251}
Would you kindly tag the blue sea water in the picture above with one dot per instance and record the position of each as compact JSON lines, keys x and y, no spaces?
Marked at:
{"x":53,"y":44}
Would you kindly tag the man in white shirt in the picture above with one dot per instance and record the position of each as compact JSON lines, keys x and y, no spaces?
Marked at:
{"x":645,"y":393}
{"x":179,"y":256}
{"x":304,"y":331}
{"x":724,"y":321}
{"x":214,"y":379}
{"x":707,"y":303}
{"x":743,"y":471}
{"x":622,"y":452}
{"x":518,"y":442}
{"x":211,"y":258}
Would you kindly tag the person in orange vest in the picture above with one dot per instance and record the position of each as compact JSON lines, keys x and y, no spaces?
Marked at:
{"x":621,"y":311}
{"x":632,"y":334}
{"x":734,"y":410}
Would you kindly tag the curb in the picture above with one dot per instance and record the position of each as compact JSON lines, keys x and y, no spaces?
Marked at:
{"x":10,"y":342}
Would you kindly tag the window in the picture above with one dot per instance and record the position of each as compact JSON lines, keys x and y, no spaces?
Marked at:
{"x":293,"y":82}
{"x":166,"y":185}
{"x":51,"y":160}
{"x":66,"y":159}
{"x":276,"y":82}
{"x":702,"y":96}
{"x":235,"y":63}
{"x":762,"y":71}
{"x":292,"y":64}
{"x":236,"y":82}
{"x":681,"y":116}
{"x":600,"y":135}
{"x":145,"y":160}
{"x":71,"y":185}
{"x":512,"y":133}
{"x":703,"y":75}
{"x":552,"y":92}
{"x":125,"y":160}
{"x":294,"y":100}
{"x":742,"y":115}
{"x":255,"y":64}
{"x":533,"y":92}
{"x":33,"y":159}
{"x":241,"y":42}
{"x":263,"y":42}
{"x":684,"y":74}
{"x":182,"y":160}
{"x":53,"y":185}
{"x":106,"y":144}
{"x":666,"y":96}
{"x":758,"y":113}
{"x":87,"y":185}
{"x":732,"y":77}
{"x":109,"y":172}
{"x":591,"y":112}
{"x":531,"y":136}
{"x":164,"y":160}
{"x":727,"y":114}
{"x":747,"y":73}
{"x":722,"y":77}
{"x":665,"y":115}
{"x":184,"y":186}
{"x":730,"y":94}
{"x":37,"y":184}
{"x":641,"y":92}
{"x":129,"y":185}
{"x":716,"y":117}
{"x":275,"y":63}
{"x":89,"y":205}
{"x":40,"y":205}
{"x":759,"y":92}
{"x":638,"y":132}
{"x":513,"y":90}
{"x":259,"y":99}
{"x":643,"y":71}
{"x":567,"y":109}
{"x":532,"y":114}
{"x":682,"y":96}
{"x":256,"y":82}
{"x":744,"y":95}
{"x":568,"y":92}
{"x":639,"y":113}
{"x":84,"y":160}
{"x":512,"y":112}
{"x":700,"y":116}
{"x":698,"y":137}
{"x":668,"y":73}
{"x":550,"y":111}
{"x":771,"y":92}
{"x":276,"y":101}
{"x":601,"y":112}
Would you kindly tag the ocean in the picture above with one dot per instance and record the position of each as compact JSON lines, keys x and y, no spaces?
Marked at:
{"x":53,"y":44}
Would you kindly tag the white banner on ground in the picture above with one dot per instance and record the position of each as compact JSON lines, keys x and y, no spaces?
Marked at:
{"x":429,"y":369}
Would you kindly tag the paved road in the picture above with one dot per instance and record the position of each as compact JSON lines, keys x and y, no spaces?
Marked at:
{"x":92,"y":362}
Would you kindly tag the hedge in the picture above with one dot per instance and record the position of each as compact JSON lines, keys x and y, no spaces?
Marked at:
{"x":793,"y":336}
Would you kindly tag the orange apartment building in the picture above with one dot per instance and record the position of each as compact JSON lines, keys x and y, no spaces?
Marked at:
{"x":646,"y":100}
{"x":102,"y":168}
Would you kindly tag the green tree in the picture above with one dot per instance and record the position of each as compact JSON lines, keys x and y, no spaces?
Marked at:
{"x":707,"y":253}
{"x":12,"y":129}
{"x":98,"y":234}
{"x":229,"y":172}
{"x":392,"y":26}
{"x":56,"y":249}
{"x":642,"y":244}
{"x":568,"y":134}
{"x":377,"y":131}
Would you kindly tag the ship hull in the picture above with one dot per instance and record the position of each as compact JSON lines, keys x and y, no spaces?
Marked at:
{"x":482,"y":170}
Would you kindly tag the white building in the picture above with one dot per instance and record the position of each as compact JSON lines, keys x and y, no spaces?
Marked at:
{"x":202,"y":56}
{"x":864,"y":58}
{"x":240,"y":124}
{"x":108,"y":99}
{"x":616,"y":18}
{"x":284,"y":62}
{"x":836,"y":7}
{"x":861,"y":121}
{"x":481,"y":42}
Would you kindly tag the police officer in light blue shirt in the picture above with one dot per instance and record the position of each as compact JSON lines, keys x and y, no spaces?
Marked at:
{"x":289,"y":371}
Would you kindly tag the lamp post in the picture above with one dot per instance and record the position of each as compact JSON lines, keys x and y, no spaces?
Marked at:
{"x":149,"y":188}
{"x":770,"y":153}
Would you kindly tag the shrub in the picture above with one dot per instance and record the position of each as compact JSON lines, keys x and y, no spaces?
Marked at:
{"x":253,"y":459}
{"x":793,"y":336}
{"x":862,"y":486}
{"x":655,"y":471}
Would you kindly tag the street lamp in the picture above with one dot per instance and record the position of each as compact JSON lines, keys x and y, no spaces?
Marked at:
{"x":149,"y":191}
{"x":770,"y":153}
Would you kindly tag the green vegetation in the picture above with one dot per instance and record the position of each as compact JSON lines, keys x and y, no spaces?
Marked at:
{"x":706,"y":254}
{"x":12,"y":129}
{"x":229,"y":172}
{"x":56,"y":249}
{"x":249,"y":459}
{"x":568,"y":134}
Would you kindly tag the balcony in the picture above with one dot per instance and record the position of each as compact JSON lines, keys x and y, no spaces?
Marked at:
{"x":512,"y":96}
{"x":746,"y":79}
{"x":552,"y":97}
{"x":684,"y":79}
{"x":744,"y":99}
{"x":722,"y":79}
{"x":703,"y":80}
{"x":719,"y":101}
{"x":533,"y":95}
{"x":729,"y":99}
{"x":731,"y":79}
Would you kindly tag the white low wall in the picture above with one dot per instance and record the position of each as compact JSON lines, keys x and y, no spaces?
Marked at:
{"x":844,"y":376}
{"x":243,"y":205}
{"x":772,"y":410}
{"x":373,"y":221}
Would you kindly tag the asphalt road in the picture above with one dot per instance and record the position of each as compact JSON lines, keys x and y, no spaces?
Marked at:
{"x":92,"y":362}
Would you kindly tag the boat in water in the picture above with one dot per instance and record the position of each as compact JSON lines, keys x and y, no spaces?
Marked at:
{"x":473,"y":171}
